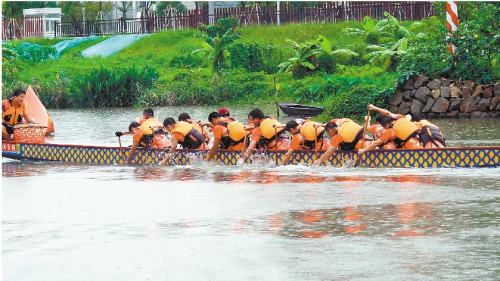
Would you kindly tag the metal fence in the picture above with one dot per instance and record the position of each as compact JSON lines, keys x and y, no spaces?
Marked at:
{"x":325,"y":12}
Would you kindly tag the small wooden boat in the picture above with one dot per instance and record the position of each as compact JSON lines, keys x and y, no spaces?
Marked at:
{"x":295,"y":109}
{"x":470,"y":157}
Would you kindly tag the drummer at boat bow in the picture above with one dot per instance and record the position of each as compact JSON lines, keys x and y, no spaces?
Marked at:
{"x":265,"y":136}
{"x":13,"y":113}
{"x":344,"y":134}
{"x":228,"y":134}
{"x":398,"y":128}
{"x":306,"y":135}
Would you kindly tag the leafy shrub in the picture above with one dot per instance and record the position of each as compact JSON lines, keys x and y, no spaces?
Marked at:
{"x":34,"y":53}
{"x":111,"y":88}
{"x":247,"y":56}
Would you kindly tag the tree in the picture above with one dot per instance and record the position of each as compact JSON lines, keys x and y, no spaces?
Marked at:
{"x":71,"y":10}
{"x":163,"y":6}
{"x":126,"y":5}
{"x":14,"y":9}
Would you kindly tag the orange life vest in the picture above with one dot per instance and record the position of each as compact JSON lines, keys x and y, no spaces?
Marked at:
{"x":405,"y":129}
{"x":192,"y":137}
{"x":11,"y":114}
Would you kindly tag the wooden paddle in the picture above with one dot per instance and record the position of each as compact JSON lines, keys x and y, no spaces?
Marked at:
{"x":121,"y":149}
{"x":315,"y":143}
{"x":276,"y":146}
{"x":204,"y":143}
{"x":363,"y":140}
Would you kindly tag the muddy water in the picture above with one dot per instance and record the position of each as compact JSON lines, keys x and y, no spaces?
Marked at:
{"x":211,"y":222}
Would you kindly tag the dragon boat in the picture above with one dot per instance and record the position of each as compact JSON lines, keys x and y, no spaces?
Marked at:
{"x":468,"y":157}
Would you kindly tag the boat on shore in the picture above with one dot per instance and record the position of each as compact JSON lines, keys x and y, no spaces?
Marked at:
{"x":295,"y":109}
{"x":467,"y":157}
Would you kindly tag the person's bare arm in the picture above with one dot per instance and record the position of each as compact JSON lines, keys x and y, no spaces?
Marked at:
{"x":380,"y":110}
{"x":287,"y":157}
{"x":214,"y":149}
{"x":372,"y":146}
{"x":325,"y":155}
{"x":132,"y":152}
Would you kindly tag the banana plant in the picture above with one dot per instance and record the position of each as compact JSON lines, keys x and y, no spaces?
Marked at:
{"x":305,"y":53}
{"x":386,"y":56}
{"x":216,"y":48}
{"x":371,"y":32}
{"x":326,"y":48}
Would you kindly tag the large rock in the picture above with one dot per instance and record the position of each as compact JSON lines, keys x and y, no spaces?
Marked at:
{"x":455,"y":92}
{"x":393,"y":108}
{"x":397,"y":98}
{"x":498,"y":107}
{"x":484,"y":104}
{"x":455,"y":104}
{"x":468,"y":105}
{"x":428,"y":105}
{"x":416,"y":107}
{"x":464,"y":115}
{"x":478,"y":114}
{"x":494,"y":102}
{"x":441,"y":105}
{"x":408,"y":95}
{"x":422,"y":94}
{"x":445,"y":82}
{"x":477,"y":91}
{"x":408,"y":84}
{"x":404,"y":108}
{"x":421,"y":81}
{"x":434,"y":84}
{"x":436,"y":93}
{"x":477,"y":99}
{"x":445,"y":92}
{"x":488,"y":92}
{"x":496,"y":89}
{"x":466,"y":91}
{"x":493,"y":114}
{"x":453,"y":114}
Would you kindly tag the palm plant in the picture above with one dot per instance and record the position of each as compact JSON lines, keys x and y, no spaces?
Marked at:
{"x":400,"y":31}
{"x":216,"y":48}
{"x":305,"y":58}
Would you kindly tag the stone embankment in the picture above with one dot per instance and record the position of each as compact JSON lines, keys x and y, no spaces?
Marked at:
{"x":445,"y":98}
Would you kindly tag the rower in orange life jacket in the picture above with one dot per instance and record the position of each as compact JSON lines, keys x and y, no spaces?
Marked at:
{"x":397,"y":128}
{"x":304,"y":137}
{"x":228,"y":134}
{"x":344,"y":134}
{"x":377,"y":131}
{"x":185,"y":134}
{"x":187,"y":118}
{"x":13,"y":113}
{"x":430,"y":134}
{"x":146,"y":114}
{"x":264,"y":134}
{"x":146,"y":135}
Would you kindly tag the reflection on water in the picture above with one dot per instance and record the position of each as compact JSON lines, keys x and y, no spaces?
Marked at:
{"x":207,"y":221}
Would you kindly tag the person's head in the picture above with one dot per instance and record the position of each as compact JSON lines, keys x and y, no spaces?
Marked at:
{"x":18,"y":96}
{"x":292,"y":126}
{"x":184,"y":117}
{"x":256,"y":114}
{"x":169,"y":123}
{"x":224,"y":112}
{"x":148,"y":113}
{"x":133,"y":127}
{"x":331,"y":128}
{"x":416,"y":117}
{"x":385,"y":121}
{"x":214,"y":118}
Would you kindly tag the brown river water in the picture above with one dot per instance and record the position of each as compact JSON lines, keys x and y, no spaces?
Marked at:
{"x":256,"y":222}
